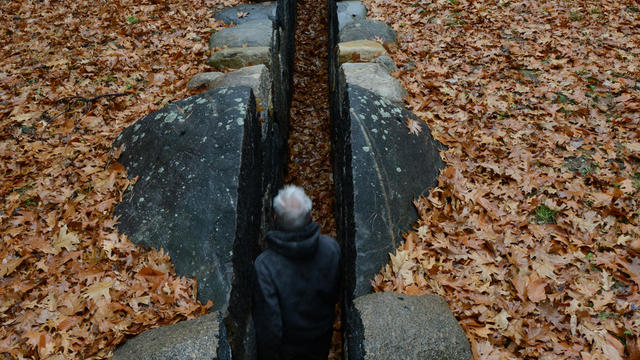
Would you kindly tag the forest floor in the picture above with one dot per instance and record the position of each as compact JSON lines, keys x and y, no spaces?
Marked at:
{"x":532,"y":234}
{"x":71,"y":286}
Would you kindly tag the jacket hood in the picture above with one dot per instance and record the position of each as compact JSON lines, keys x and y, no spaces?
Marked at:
{"x":295,"y":244}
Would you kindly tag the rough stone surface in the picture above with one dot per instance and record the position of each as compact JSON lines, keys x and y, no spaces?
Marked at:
{"x":366,"y":29}
{"x":378,"y":173}
{"x":203,"y":79}
{"x":197,"y":169}
{"x":250,"y":33}
{"x":235,"y":58}
{"x":387,"y":63}
{"x":197,"y":339}
{"x":257,"y":77}
{"x":263,"y":11}
{"x":375,"y":78}
{"x":349,"y":11}
{"x":198,"y":196}
{"x":365,"y":49}
{"x":389,"y":326}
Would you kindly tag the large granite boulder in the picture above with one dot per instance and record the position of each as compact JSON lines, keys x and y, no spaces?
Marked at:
{"x":197,"y":339}
{"x":199,"y":193}
{"x":349,"y":11}
{"x":247,"y":12}
{"x":250,"y":33}
{"x":379,"y":168}
{"x":237,"y":57}
{"x":366,"y":29}
{"x":375,"y":78}
{"x":389,"y":326}
{"x":360,"y":50}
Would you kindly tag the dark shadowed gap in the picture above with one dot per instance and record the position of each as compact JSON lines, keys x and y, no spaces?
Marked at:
{"x":309,"y":134}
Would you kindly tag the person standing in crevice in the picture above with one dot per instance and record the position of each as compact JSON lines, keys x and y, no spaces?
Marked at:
{"x":297,"y":283}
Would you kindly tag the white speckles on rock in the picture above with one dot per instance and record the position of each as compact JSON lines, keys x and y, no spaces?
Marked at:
{"x":201,"y":100}
{"x":374,"y":117}
{"x":136,"y":127}
{"x":134,"y":138}
{"x":365,"y":148}
{"x":161,"y":170}
{"x":237,"y":100}
{"x":171,"y":117}
{"x":385,"y":114}
{"x":398,"y":169}
{"x":141,"y":200}
{"x":203,"y":140}
{"x":240,"y":121}
{"x":375,"y":131}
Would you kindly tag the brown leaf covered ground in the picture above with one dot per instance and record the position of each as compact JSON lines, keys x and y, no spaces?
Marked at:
{"x":532,"y":232}
{"x":309,"y":139}
{"x":70,"y":284}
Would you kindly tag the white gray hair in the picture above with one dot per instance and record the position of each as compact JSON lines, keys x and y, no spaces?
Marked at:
{"x":293,"y":208}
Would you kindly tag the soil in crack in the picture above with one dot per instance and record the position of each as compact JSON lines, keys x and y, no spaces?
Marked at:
{"x":309,"y":138}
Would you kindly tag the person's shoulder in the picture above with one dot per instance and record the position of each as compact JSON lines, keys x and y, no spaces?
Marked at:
{"x":263,"y":259}
{"x":330,"y":243}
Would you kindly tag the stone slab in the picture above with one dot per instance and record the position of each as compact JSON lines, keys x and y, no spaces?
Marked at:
{"x":349,"y":11}
{"x":250,"y":33}
{"x":387,"y":63}
{"x":375,"y":78}
{"x":203,"y":79}
{"x":248,"y":12}
{"x":256,"y":77}
{"x":238,"y":57}
{"x":196,"y":198}
{"x":389,"y":326}
{"x":379,"y":170}
{"x":365,"y":29}
{"x":362,"y":49}
{"x":195,"y":339}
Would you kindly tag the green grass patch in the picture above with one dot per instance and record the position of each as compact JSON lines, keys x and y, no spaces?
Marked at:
{"x":545,"y":215}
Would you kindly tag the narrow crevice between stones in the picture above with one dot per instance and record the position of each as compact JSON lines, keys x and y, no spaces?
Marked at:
{"x":310,"y":161}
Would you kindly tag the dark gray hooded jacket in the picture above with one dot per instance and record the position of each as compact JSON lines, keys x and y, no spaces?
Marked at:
{"x":296,"y":288}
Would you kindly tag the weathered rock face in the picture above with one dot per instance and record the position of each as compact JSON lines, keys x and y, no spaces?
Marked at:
{"x":375,"y":78}
{"x":250,"y":33}
{"x":203,"y":79}
{"x":256,"y":77}
{"x":249,"y":12}
{"x":365,"y":29}
{"x":349,"y":11}
{"x":198,"y":196}
{"x":196,"y":339}
{"x":362,"y":49}
{"x":379,"y":169}
{"x":235,"y":58}
{"x":387,"y":63}
{"x":389,"y":326}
